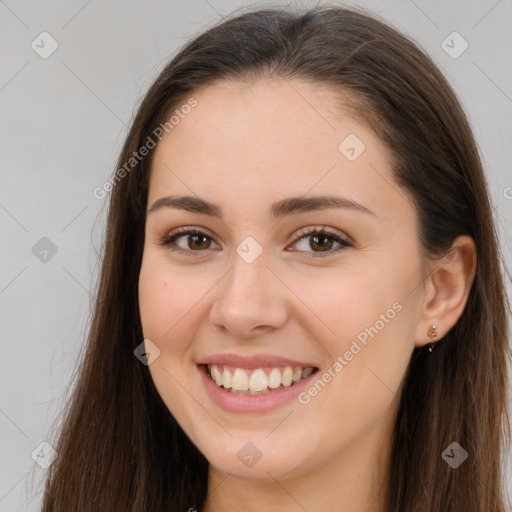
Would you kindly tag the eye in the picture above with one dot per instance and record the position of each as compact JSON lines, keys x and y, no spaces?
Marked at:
{"x":321,"y":238}
{"x":196,"y":241}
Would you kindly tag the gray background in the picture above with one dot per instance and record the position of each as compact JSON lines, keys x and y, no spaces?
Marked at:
{"x":63,"y":120}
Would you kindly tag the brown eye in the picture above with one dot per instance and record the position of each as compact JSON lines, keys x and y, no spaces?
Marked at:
{"x":320,"y":240}
{"x":195,"y":241}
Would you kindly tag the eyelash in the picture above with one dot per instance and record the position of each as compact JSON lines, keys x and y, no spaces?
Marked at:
{"x":304,"y":233}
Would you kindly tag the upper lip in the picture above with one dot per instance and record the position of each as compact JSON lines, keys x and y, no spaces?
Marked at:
{"x":252,"y":362}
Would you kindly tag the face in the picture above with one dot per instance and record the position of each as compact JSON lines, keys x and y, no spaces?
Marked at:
{"x":269,"y":291}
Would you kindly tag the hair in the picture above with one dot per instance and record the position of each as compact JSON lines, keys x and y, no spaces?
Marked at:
{"x":120,"y":449}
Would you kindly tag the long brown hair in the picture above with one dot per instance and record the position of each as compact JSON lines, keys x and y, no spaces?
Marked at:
{"x":120,"y":448}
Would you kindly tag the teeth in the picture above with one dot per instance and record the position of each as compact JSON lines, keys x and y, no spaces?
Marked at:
{"x":227,"y":378}
{"x":217,"y":375}
{"x":259,"y":382}
{"x":240,"y":380}
{"x":307,"y":372}
{"x":274,"y":378}
{"x":287,"y":377}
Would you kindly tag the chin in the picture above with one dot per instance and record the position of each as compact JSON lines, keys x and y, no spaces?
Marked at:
{"x":258,"y":457}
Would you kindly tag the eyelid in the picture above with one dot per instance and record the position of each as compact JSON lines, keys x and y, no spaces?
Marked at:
{"x":344,"y":240}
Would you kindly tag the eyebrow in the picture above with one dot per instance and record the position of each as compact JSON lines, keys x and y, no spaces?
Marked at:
{"x":282,"y":208}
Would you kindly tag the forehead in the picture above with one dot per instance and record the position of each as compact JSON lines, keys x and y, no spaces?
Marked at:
{"x":273,"y":138}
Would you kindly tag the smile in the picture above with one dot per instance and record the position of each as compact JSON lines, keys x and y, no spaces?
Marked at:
{"x":256,"y":381}
{"x":292,"y":380}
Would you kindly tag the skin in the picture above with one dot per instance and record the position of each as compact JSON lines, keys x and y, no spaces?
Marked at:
{"x":244,"y":146}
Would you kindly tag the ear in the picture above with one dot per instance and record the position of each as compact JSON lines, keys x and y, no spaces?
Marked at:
{"x":447,"y":290}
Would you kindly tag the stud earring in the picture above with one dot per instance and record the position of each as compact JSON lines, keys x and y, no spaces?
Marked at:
{"x":432,"y":334}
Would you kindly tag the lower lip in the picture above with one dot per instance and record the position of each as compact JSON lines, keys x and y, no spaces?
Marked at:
{"x":234,"y":402}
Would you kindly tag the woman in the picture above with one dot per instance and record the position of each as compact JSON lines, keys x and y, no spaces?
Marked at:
{"x":301,"y":304}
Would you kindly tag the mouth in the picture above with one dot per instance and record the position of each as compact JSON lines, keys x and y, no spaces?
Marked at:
{"x":256,"y":381}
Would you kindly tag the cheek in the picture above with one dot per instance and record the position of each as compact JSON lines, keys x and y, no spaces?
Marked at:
{"x":347,"y":302}
{"x":166,"y":297}
{"x":361,"y":319}
{"x":155,"y":302}
{"x":166,"y":303}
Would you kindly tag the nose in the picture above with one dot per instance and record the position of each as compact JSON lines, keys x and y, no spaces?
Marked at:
{"x":250,"y":301}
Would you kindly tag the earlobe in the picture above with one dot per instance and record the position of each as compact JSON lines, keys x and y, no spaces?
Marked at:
{"x":448,"y":288}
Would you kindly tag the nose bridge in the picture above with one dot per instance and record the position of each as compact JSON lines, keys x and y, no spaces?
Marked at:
{"x":246,"y":276}
{"x":249,"y":297}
